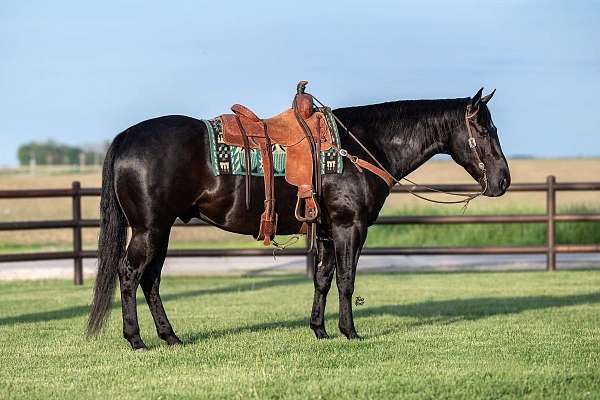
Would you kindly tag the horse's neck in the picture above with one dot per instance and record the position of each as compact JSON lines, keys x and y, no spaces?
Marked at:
{"x":409,"y":151}
{"x":404,"y":143}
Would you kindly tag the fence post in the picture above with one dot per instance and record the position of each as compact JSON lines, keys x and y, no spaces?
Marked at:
{"x":77,"y":239}
{"x":550,"y":232}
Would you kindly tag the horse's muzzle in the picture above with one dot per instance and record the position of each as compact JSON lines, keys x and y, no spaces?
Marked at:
{"x":499,"y":187}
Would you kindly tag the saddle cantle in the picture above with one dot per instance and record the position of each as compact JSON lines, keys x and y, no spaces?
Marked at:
{"x":304,"y":132}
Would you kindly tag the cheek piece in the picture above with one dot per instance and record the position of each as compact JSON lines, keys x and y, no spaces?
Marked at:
{"x":469,"y":115}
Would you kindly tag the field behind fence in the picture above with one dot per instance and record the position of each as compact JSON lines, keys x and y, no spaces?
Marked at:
{"x":576,"y":170}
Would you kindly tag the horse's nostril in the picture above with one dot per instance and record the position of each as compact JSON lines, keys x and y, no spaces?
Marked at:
{"x":503,"y":184}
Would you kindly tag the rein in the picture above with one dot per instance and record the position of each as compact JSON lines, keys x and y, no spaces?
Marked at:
{"x":384,"y":174}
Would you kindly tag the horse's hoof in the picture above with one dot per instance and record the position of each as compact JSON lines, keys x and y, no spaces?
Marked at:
{"x":321,"y":334}
{"x":136,"y":342}
{"x":141,"y":350}
{"x":173,"y":341}
{"x":353,"y":336}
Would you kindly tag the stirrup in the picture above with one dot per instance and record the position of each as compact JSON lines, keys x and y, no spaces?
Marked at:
{"x":311,"y":211}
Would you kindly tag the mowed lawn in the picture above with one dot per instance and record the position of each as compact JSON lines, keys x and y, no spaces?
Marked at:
{"x":437,"y":335}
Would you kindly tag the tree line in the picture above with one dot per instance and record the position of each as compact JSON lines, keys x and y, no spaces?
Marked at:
{"x":53,"y":153}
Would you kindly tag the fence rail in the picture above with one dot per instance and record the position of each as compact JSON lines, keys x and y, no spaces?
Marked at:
{"x":550,"y":218}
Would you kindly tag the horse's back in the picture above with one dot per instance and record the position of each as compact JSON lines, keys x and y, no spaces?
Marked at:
{"x":167,"y":133}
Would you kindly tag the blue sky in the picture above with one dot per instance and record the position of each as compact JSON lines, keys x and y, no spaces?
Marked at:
{"x":80,"y":72}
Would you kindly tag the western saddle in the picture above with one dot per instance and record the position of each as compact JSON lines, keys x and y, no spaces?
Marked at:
{"x":304,"y":132}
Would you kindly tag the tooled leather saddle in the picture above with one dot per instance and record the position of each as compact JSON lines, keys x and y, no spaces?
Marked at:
{"x":304,"y":132}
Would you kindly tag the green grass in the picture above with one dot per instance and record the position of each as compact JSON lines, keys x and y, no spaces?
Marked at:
{"x":473,"y":235}
{"x":438,"y":335}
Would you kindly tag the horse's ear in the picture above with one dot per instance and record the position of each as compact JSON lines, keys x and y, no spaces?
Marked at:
{"x":487,"y":98}
{"x":476,"y":99}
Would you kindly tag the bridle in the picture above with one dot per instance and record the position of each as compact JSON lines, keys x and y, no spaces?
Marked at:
{"x":383,"y":173}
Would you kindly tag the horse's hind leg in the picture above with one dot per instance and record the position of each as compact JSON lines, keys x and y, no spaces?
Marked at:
{"x":144,"y":250}
{"x":150,"y":283}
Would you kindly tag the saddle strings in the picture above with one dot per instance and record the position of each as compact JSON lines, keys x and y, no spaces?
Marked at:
{"x":289,"y":242}
{"x":467,"y":196}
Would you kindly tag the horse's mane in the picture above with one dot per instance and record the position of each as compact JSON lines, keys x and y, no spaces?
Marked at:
{"x":414,"y":118}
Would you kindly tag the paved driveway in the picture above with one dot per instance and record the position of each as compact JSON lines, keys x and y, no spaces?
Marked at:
{"x":267,"y":265}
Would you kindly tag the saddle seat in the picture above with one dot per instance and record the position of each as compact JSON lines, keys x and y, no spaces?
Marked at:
{"x":304,"y":132}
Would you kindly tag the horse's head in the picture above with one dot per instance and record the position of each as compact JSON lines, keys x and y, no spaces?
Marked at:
{"x":476,"y":147}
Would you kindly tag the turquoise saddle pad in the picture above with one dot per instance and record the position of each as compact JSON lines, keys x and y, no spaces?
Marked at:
{"x":231,"y":160}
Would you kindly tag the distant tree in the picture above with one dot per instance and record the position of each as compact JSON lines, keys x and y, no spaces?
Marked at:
{"x":93,"y":154}
{"x":53,"y":153}
{"x":48,"y":153}
{"x":24,"y":154}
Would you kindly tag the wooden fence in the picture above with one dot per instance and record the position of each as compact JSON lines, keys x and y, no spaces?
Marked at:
{"x":550,"y":218}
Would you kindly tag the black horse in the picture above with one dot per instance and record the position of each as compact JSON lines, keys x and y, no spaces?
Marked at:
{"x":159,"y":170}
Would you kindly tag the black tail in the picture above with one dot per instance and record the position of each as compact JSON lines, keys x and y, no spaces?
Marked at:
{"x":111,"y":245}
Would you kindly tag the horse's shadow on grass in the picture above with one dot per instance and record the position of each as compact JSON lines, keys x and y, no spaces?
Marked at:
{"x":78,"y":311}
{"x":424,"y":313}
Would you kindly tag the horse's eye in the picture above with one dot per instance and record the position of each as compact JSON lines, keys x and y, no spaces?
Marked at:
{"x":490,"y":130}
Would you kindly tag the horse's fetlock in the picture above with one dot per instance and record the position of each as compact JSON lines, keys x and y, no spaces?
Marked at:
{"x":165,"y":334}
{"x":130,"y":335}
{"x":323,"y":288}
{"x":346,"y":290}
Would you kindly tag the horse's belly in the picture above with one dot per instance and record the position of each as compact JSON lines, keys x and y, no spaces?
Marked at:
{"x":224,"y":206}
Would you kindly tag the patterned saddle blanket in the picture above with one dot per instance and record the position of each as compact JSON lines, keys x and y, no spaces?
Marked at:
{"x":231,"y":160}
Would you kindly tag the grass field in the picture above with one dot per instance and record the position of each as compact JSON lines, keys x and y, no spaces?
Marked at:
{"x":432,"y":172}
{"x":432,"y":336}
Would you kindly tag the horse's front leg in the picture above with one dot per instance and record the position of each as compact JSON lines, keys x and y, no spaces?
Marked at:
{"x":348,"y":241}
{"x":322,"y":279}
